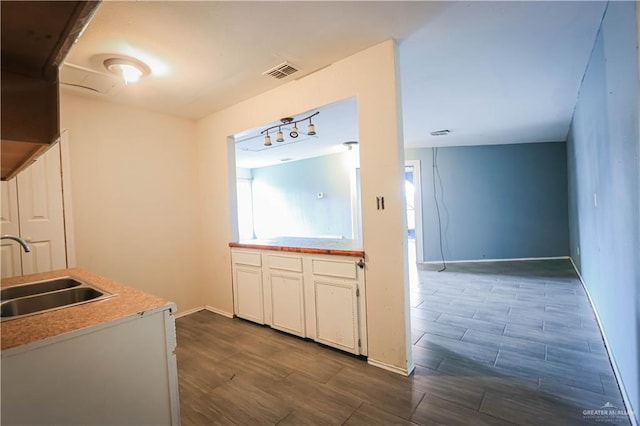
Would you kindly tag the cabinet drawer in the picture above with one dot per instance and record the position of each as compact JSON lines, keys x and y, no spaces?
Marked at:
{"x":335,"y":268}
{"x":246,"y":258}
{"x":285,"y":263}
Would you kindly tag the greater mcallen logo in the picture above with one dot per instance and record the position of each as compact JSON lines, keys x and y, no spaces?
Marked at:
{"x":608,"y":413}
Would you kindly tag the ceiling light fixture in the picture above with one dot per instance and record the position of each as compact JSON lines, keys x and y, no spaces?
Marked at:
{"x":294,"y":132}
{"x":349,"y":144}
{"x":130,"y":69}
{"x":440,"y":132}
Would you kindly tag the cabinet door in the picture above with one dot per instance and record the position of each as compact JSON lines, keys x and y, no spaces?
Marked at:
{"x":336,"y":303}
{"x":11,"y":250}
{"x":41,"y":214}
{"x":287,"y":302}
{"x":247,"y":289}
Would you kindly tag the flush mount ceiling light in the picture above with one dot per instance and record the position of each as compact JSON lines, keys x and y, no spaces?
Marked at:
{"x":130,"y":69}
{"x":294,"y":132}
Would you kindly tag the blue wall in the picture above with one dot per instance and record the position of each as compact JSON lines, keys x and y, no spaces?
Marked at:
{"x":497,"y":201}
{"x":285,"y":198}
{"x":604,"y":188}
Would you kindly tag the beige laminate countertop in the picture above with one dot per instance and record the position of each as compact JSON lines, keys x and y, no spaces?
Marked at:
{"x":334,"y":246}
{"x":127,"y":301}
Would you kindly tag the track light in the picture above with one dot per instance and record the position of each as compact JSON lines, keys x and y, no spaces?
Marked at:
{"x":293,"y":133}
{"x":311,"y":130}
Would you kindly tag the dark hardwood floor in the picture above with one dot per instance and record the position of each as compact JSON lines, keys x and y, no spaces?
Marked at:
{"x":493,"y":343}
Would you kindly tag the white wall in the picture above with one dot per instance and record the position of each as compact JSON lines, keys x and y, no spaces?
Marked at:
{"x":285,"y":200}
{"x":135,"y":197}
{"x":371,"y":76}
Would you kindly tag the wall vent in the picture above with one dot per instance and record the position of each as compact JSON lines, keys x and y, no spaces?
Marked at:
{"x":87,"y":79}
{"x":283,"y":70}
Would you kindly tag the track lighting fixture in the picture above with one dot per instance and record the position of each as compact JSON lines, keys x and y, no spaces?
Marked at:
{"x":293,"y":133}
{"x":311,"y":130}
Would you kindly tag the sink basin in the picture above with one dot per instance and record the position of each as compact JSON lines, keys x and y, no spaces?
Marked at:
{"x":37,"y":288}
{"x":43,"y":296}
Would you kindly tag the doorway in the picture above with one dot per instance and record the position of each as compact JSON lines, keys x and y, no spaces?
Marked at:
{"x":413,"y":197}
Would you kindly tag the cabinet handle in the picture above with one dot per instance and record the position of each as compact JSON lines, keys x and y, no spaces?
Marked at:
{"x":360,"y":263}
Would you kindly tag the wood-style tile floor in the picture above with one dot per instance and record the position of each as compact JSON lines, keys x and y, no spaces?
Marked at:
{"x":493,"y":343}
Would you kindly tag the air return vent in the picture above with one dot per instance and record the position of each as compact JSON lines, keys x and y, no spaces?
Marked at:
{"x":283,"y":70}
{"x":87,"y":79}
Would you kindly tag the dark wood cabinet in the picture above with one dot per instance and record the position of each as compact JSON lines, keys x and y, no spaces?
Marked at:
{"x":36,"y":37}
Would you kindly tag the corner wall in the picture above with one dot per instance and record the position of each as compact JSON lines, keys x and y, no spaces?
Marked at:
{"x":495,"y":201}
{"x":134,"y":197}
{"x":604,"y":189}
{"x":371,"y":76}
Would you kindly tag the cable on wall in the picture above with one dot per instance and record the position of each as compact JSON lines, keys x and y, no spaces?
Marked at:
{"x":436,"y":174}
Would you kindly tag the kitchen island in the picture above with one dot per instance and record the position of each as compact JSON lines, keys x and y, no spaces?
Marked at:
{"x":108,"y":361}
{"x":311,"y":287}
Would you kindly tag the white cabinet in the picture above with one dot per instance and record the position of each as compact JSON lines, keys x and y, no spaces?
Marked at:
{"x":338,"y":293}
{"x":32,"y":207}
{"x":321,"y":297}
{"x":248,"y":300}
{"x":116,"y":373}
{"x":285,"y":293}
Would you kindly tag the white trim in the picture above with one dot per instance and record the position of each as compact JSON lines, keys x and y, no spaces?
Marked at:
{"x":392,"y":368}
{"x":219,"y":311}
{"x":616,"y":371}
{"x":67,"y":209}
{"x":356,"y":201}
{"x":417,"y":201}
{"x":172,"y":367}
{"x":515,"y":259}
{"x":203,"y":308}
{"x":188,"y":312}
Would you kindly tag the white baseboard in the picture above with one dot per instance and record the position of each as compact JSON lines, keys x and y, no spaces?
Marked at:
{"x":188,"y":312}
{"x":392,"y":368}
{"x":514,"y":259}
{"x":202,"y":308}
{"x":616,"y":371}
{"x":218,"y":311}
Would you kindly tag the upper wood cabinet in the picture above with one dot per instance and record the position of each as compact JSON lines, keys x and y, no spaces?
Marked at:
{"x":36,"y":37}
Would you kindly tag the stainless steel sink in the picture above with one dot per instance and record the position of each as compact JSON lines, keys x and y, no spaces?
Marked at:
{"x":44,"y":296}
{"x":37,"y":288}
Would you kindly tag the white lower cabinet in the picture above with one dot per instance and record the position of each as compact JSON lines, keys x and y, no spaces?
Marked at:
{"x":321,"y":297}
{"x":285,"y":293}
{"x":248,"y":300}
{"x":338,"y":293}
{"x":121,"y":372}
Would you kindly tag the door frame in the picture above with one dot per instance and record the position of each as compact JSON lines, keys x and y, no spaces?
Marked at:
{"x":67,"y":209}
{"x":417,"y":203}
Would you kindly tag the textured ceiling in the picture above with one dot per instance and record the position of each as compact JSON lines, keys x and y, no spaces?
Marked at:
{"x":491,"y":72}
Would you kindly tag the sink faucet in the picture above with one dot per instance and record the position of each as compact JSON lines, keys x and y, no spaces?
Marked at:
{"x":22,"y":242}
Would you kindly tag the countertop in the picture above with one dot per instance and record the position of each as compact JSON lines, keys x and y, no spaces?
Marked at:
{"x":127,"y":302}
{"x":335,"y":246}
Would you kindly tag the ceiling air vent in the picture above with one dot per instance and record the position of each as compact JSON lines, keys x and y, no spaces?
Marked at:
{"x":283,"y":70}
{"x":87,"y":79}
